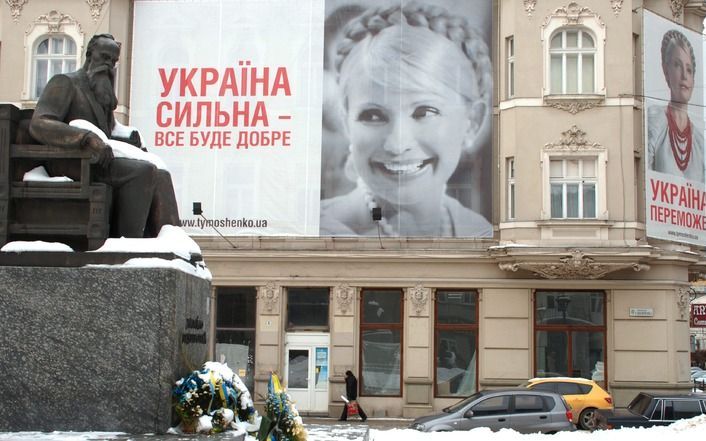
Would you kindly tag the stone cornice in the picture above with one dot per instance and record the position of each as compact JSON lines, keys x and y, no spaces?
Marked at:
{"x":575,"y":265}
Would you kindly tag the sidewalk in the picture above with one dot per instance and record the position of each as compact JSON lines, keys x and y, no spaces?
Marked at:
{"x":373,"y":423}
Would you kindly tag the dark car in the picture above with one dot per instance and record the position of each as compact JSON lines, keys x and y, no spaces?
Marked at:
{"x":524,"y":410}
{"x":647,"y":410}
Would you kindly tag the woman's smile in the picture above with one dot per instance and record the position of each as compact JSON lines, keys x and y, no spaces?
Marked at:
{"x":407,"y":168}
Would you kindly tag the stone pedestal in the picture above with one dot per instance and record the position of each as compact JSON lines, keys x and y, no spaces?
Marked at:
{"x":97,"y":348}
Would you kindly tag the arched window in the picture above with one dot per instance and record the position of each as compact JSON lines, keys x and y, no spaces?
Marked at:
{"x":572,"y":54}
{"x":53,"y":44}
{"x":573,"y":46}
{"x":52,"y":55}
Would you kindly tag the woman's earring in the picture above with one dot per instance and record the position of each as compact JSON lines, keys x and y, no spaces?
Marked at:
{"x":350,"y":148}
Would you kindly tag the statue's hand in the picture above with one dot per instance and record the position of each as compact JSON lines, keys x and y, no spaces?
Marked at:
{"x":102,"y":152}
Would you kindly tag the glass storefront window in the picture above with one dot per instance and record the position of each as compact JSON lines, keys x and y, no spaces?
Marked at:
{"x":381,"y":342}
{"x":236,"y":310}
{"x":307,"y":308}
{"x":570,"y":334}
{"x":456,"y":343}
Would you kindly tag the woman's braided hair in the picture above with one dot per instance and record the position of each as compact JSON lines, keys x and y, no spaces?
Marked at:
{"x":675,"y":38}
{"x":434,"y":18}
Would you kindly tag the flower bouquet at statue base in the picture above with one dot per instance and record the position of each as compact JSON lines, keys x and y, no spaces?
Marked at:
{"x":212,"y":400}
{"x":282,"y":421}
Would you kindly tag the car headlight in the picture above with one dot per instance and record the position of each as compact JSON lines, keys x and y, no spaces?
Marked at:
{"x":417,"y":426}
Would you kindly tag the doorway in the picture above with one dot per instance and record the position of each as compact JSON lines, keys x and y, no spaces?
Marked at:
{"x":307,"y":370}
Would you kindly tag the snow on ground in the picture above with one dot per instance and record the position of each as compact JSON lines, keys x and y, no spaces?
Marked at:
{"x":684,"y":430}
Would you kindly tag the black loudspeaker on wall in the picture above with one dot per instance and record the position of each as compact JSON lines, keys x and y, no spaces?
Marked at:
{"x":377,"y":213}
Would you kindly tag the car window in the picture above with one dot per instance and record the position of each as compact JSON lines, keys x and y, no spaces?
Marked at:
{"x":639,"y":403}
{"x":678,"y":409}
{"x":568,"y":388}
{"x":492,"y":406}
{"x":550,"y":387}
{"x":585,"y":388}
{"x":529,"y":403}
{"x":657,"y":413}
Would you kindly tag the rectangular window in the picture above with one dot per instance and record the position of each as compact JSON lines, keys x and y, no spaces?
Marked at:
{"x":381,"y":342}
{"x":236,"y":311}
{"x":511,"y":188}
{"x":510,"y":45}
{"x":573,"y":188}
{"x":456,"y":342}
{"x":570,"y":334}
{"x":307,"y":309}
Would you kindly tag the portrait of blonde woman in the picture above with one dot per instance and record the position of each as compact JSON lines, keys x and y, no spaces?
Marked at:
{"x":414,"y":84}
{"x":675,"y":134}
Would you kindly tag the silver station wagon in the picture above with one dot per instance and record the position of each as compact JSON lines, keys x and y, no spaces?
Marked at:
{"x":523,"y":410}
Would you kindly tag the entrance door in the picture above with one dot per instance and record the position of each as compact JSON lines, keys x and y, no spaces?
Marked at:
{"x":306,"y":370}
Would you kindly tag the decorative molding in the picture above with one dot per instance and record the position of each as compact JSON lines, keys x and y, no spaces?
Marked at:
{"x":96,"y":7}
{"x":573,"y":140}
{"x":269,"y":295}
{"x":530,"y":5}
{"x":617,"y":6}
{"x":573,"y":14}
{"x":573,"y":105}
{"x":55,"y":22}
{"x":575,"y":266}
{"x":419,"y":297}
{"x":677,"y":7}
{"x":16,"y":8}
{"x":683,"y":302}
{"x":344,"y":296}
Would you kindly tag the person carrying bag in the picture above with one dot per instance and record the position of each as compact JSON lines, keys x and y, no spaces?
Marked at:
{"x":352,"y":407}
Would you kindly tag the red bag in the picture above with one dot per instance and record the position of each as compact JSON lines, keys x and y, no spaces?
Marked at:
{"x":352,"y":408}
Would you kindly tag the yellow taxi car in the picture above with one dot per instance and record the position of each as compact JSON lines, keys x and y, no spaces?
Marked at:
{"x":584,"y":396}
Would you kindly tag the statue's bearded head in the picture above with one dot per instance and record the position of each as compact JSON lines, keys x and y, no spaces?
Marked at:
{"x":102,"y":56}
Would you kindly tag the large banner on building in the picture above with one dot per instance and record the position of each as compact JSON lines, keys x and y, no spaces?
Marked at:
{"x":319,"y":118}
{"x":674,"y":131}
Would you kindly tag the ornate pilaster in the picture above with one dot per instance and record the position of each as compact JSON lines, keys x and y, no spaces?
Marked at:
{"x":269,"y":296}
{"x":530,"y":5}
{"x":677,"y":7}
{"x":616,"y":5}
{"x":683,"y":302}
{"x":16,"y":8}
{"x":419,"y":297}
{"x":344,"y":295}
{"x":96,"y":7}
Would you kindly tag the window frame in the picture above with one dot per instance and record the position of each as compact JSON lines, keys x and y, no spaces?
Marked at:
{"x":510,"y":78}
{"x":381,"y":326}
{"x":511,"y":188}
{"x":565,"y":52}
{"x":325,"y":328}
{"x":569,"y":329}
{"x":228,"y":290}
{"x":49,"y":57}
{"x":47,"y":25}
{"x":581,"y":181}
{"x":570,"y":151}
{"x":467,"y":327}
{"x":574,"y":16}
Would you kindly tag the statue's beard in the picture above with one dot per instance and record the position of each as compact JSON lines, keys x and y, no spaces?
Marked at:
{"x":101,"y":82}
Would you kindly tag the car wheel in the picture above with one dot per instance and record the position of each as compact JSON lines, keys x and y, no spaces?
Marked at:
{"x":587,"y":419}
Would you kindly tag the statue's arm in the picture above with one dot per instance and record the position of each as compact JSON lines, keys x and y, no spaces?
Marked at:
{"x":49,"y":125}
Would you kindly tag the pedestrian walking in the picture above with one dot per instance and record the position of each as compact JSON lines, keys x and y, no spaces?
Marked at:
{"x":352,"y":396}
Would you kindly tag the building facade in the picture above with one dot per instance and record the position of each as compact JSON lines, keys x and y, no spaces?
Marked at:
{"x":570,"y":283}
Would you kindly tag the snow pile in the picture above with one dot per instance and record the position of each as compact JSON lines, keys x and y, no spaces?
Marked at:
{"x":37,"y":245}
{"x":693,"y":429}
{"x":39,"y":174}
{"x":170,"y":239}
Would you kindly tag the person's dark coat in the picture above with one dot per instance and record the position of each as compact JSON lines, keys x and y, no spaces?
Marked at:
{"x":351,"y":387}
